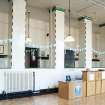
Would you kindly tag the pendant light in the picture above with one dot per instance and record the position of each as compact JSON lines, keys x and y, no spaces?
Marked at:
{"x":69,"y":38}
{"x":28,"y":39}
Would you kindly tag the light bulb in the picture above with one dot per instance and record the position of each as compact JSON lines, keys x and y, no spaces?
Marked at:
{"x":69,"y":39}
{"x":28,"y":40}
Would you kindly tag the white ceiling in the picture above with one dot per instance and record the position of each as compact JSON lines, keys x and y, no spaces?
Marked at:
{"x":92,"y":8}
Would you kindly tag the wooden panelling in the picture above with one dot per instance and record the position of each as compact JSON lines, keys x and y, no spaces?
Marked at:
{"x":91,"y":88}
{"x":98,"y":87}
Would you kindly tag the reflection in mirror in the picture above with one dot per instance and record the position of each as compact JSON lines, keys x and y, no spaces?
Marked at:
{"x":75,"y":51}
{"x":75,"y":45}
{"x":40,"y":49}
{"x":5,"y":33}
{"x":98,"y":60}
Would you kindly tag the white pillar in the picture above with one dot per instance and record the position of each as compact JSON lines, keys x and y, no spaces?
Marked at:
{"x":88,"y":36}
{"x":59,"y":34}
{"x":18,"y":35}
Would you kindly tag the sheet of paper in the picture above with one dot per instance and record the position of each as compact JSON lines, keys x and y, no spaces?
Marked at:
{"x":91,"y":76}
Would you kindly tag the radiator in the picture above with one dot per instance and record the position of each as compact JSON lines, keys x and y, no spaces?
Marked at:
{"x":18,"y":81}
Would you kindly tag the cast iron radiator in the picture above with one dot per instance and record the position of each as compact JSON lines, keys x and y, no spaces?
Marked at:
{"x":18,"y":81}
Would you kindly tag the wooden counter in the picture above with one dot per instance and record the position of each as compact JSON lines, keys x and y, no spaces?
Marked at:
{"x":71,"y":90}
{"x":95,"y":84}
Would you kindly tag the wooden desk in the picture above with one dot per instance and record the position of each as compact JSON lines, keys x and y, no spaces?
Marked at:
{"x":67,"y":90}
{"x":93,"y":84}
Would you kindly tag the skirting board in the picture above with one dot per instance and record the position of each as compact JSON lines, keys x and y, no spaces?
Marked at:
{"x":16,"y":95}
{"x":27,"y":94}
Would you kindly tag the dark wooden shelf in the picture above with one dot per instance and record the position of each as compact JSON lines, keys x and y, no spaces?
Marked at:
{"x":3,"y":56}
{"x":76,"y":59}
{"x":44,"y":58}
{"x":96,"y":60}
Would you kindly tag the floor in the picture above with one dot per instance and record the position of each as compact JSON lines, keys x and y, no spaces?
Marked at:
{"x":53,"y":99}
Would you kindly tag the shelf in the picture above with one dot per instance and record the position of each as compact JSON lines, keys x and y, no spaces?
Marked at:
{"x":76,"y":59}
{"x":3,"y":56}
{"x":96,"y":60}
{"x":44,"y":58}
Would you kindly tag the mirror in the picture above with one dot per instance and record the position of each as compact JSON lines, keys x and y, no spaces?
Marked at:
{"x":40,"y":50}
{"x":5,"y":33}
{"x":98,"y":60}
{"x":75,"y":51}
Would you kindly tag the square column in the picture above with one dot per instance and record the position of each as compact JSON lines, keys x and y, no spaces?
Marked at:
{"x":18,"y":34}
{"x":88,"y":39}
{"x":59,"y":36}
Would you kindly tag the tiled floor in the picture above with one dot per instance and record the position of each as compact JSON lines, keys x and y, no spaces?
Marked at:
{"x":54,"y":100}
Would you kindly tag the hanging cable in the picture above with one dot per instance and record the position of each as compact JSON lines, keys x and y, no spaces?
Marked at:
{"x":69,"y":38}
{"x":69,"y":17}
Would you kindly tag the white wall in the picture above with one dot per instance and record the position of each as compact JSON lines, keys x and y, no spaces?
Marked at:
{"x":44,"y":78}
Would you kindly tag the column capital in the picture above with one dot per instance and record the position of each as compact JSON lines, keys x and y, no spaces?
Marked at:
{"x":58,"y":8}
